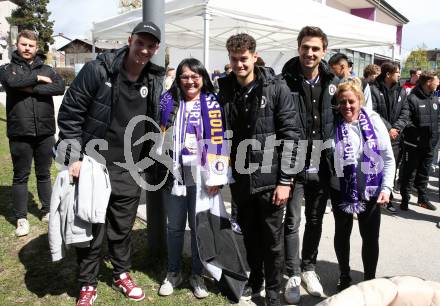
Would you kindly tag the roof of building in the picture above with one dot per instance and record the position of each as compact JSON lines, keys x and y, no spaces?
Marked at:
{"x":100,"y":46}
{"x":387,"y":8}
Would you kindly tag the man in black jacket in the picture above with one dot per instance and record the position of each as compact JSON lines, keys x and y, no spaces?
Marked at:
{"x":421,"y":136}
{"x":390,"y":102}
{"x":29,"y":86}
{"x":260,"y":112}
{"x":312,"y":86}
{"x":99,"y":105}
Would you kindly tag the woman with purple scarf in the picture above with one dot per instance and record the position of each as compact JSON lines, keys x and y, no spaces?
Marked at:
{"x":191,"y":120}
{"x":365,"y":167}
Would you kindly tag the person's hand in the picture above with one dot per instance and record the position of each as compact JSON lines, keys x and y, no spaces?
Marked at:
{"x":281,"y":195}
{"x":212,"y":190}
{"x":383,"y":199}
{"x":44,"y":79}
{"x":393,"y":133}
{"x":74,"y":169}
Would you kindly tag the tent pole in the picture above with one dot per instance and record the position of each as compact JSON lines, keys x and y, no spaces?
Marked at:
{"x":154,"y":10}
{"x":393,"y":53}
{"x":93,"y":46}
{"x":206,"y":21}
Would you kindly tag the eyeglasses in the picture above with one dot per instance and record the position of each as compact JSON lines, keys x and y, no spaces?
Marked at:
{"x":186,"y":77}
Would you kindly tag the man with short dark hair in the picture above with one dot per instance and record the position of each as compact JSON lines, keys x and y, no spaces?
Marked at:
{"x":259,"y":108}
{"x":414,"y":75}
{"x":312,"y":86}
{"x":421,"y":137}
{"x":104,"y":97}
{"x":30,"y":85}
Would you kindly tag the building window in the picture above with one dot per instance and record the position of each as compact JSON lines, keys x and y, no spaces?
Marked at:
{"x":72,"y":62}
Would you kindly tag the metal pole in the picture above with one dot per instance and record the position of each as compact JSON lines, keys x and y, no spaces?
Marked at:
{"x":206,"y":21}
{"x":154,"y":10}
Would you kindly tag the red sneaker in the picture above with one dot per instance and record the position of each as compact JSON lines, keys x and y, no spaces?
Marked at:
{"x":127,"y":286}
{"x":87,"y":296}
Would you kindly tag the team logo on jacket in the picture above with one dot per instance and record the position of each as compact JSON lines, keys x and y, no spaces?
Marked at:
{"x":218,"y":166}
{"x":332,"y":89}
{"x":434,"y":106}
{"x":143,"y":91}
{"x":263,"y":102}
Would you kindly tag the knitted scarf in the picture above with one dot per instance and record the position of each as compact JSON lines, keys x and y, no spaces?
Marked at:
{"x":353,"y":201}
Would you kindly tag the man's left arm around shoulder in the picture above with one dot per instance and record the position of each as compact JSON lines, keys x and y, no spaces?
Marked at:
{"x":55,"y":87}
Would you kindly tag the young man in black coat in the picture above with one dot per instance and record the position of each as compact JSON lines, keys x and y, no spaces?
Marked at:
{"x":260,"y":111}
{"x":99,"y":106}
{"x":421,"y":136}
{"x":30,"y":85}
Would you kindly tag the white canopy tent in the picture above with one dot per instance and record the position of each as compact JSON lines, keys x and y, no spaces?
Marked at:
{"x":206,"y":25}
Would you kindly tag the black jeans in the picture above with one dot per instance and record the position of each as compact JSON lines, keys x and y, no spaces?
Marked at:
{"x":120,"y":217}
{"x":291,"y":231}
{"x":416,"y":163}
{"x":23,"y":150}
{"x":369,"y":226}
{"x":316,"y":193}
{"x":262,"y":226}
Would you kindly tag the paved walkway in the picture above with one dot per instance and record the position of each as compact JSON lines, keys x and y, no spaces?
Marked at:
{"x":409,"y":243}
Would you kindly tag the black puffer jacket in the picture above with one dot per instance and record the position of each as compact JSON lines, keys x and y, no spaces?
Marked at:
{"x":397,"y":114}
{"x":272,"y":113}
{"x":292,"y":73}
{"x":423,"y":128}
{"x":29,"y":104}
{"x":86,"y":111}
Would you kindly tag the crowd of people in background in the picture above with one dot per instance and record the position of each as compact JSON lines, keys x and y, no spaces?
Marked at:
{"x":365,"y":140}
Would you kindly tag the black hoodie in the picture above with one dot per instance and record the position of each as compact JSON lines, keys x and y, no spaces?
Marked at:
{"x":29,"y":112}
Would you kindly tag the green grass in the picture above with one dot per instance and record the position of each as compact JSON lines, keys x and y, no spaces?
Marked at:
{"x":28,"y":277}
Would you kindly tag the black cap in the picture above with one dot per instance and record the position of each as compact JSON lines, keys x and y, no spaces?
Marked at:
{"x":147,"y":27}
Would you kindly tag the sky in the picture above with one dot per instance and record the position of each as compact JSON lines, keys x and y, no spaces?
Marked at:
{"x":74,"y":19}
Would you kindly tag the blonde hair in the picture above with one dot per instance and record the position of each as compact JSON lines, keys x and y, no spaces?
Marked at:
{"x":351,"y":84}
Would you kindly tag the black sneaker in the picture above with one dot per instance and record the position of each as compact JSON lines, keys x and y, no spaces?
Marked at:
{"x":391,"y":209}
{"x":344,"y":282}
{"x":404,"y":206}
{"x":249,"y":292}
{"x":273,"y":301}
{"x":427,"y":205}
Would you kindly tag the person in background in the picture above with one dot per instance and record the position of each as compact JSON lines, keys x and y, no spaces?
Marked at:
{"x":313,"y":86}
{"x":259,"y":106}
{"x":129,"y":85}
{"x":169,"y":77}
{"x":390,"y":102}
{"x":421,"y":136}
{"x":188,"y":107}
{"x":371,"y":72}
{"x":350,"y":69}
{"x":228,"y":69}
{"x":340,"y":65}
{"x":29,"y":86}
{"x":357,"y":189}
{"x":414,"y":75}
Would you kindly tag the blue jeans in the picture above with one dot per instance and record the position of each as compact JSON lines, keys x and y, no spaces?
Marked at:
{"x":177,"y":209}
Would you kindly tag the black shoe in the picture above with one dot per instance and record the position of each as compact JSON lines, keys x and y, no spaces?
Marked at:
{"x":249,"y":292}
{"x":404,"y":206}
{"x":344,"y":283}
{"x":273,"y":301}
{"x":391,"y":209}
{"x":427,"y":205}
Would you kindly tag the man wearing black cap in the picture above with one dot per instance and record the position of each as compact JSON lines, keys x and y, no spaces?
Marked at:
{"x":107,"y":93}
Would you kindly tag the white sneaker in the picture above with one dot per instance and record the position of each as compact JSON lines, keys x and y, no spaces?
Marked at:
{"x":292,"y":293}
{"x":22,"y":227}
{"x":328,"y":207}
{"x":45,"y":218}
{"x":172,"y":280}
{"x":312,"y":284}
{"x":198,"y":284}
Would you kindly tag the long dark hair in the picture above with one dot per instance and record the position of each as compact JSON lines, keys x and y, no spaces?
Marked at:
{"x":196,"y":66}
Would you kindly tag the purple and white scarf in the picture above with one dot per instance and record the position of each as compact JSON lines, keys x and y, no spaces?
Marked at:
{"x":205,"y":121}
{"x":353,"y":201}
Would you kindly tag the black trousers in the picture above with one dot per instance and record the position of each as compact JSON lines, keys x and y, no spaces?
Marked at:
{"x":416,"y":163}
{"x":262,"y":226}
{"x":316,"y":188}
{"x":369,"y":226}
{"x":121,"y":214}
{"x":23,"y":150}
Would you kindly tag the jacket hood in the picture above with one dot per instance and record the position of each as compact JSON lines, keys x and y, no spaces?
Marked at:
{"x":293,"y":68}
{"x":112,"y":61}
{"x":38,"y":60}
